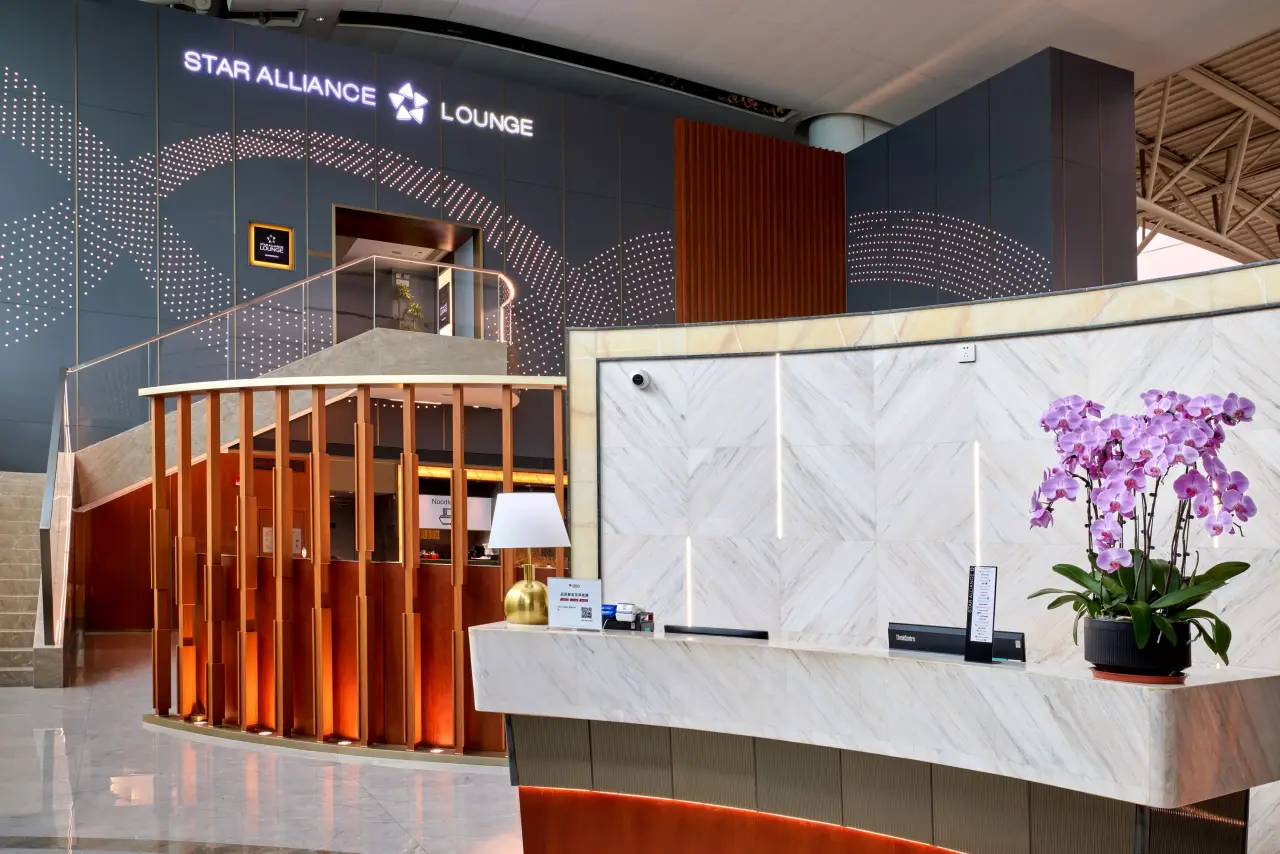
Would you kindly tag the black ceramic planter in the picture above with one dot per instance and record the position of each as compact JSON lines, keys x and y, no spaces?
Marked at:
{"x":1109,"y":646}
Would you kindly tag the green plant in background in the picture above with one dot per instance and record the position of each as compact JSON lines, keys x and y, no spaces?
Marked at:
{"x":410,"y":316}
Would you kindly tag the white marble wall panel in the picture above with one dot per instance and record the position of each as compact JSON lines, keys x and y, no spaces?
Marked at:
{"x":644,"y":490}
{"x":645,"y":569}
{"x":924,"y":394}
{"x":732,"y":491}
{"x":827,"y":398}
{"x":730,"y":402}
{"x":736,"y":582}
{"x":924,"y":492}
{"x":1246,"y":357}
{"x":1125,"y":361}
{"x":1018,"y":377}
{"x":828,"y":592}
{"x":654,"y":417}
{"x":829,"y":493}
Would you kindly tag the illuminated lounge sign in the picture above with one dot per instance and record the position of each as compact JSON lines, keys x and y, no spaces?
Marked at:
{"x":271,"y":246}
{"x":267,"y":75}
{"x":408,"y":104}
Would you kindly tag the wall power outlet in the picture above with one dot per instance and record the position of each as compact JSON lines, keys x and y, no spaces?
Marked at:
{"x":968,"y":352}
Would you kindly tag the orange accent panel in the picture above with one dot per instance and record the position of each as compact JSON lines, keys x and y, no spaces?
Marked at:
{"x":435,"y":592}
{"x":563,"y":821}
{"x":759,"y":226}
{"x":481,"y":603}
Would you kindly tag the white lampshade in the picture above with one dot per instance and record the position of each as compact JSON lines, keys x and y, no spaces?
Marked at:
{"x":526,"y":520}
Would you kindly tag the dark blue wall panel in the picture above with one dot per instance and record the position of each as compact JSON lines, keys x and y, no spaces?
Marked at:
{"x":1022,"y":108}
{"x":468,"y":148}
{"x":538,"y":159}
{"x":648,"y":265}
{"x":648,"y":158}
{"x":117,"y":47}
{"x":591,"y":147}
{"x":342,"y":160}
{"x":913,"y":184}
{"x":1022,"y":207}
{"x":271,"y":144}
{"x":963,"y":156}
{"x":38,"y":42}
{"x":592,"y":226}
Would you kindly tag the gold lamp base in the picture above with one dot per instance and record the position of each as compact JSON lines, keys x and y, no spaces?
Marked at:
{"x":526,"y":602}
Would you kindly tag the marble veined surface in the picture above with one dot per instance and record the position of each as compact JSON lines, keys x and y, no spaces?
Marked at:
{"x":1048,"y":723}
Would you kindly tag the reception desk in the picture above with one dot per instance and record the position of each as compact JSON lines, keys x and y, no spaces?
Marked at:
{"x":904,"y":751}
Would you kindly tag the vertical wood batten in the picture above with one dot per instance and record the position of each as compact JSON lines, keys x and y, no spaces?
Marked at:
{"x":458,"y":564}
{"x":161,"y":572}
{"x":409,"y":544}
{"x":507,"y":557}
{"x":557,"y":442}
{"x":247,"y":572}
{"x":321,"y":613}
{"x":282,"y":567}
{"x":215,"y":591}
{"x":364,"y":551}
{"x":188,"y":702}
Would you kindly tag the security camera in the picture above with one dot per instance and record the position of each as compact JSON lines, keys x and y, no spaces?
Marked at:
{"x":640,"y":379}
{"x":264,"y":18}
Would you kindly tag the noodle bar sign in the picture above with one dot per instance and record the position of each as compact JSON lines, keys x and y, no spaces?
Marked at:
{"x":407,"y":103}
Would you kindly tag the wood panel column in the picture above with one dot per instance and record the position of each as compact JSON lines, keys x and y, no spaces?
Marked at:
{"x":508,"y":556}
{"x":215,"y":590}
{"x":409,"y":549}
{"x":557,"y":444}
{"x":247,"y":568}
{"x":322,"y":612}
{"x":458,"y":564}
{"x":161,"y":572}
{"x":282,"y":568}
{"x":364,"y":550}
{"x":188,"y":700}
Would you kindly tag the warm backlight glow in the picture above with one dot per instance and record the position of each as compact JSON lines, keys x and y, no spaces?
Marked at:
{"x":533,"y":478}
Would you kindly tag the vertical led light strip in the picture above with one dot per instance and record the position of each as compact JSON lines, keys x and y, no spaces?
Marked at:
{"x":777,"y":438}
{"x":688,"y":581}
{"x":977,"y":505}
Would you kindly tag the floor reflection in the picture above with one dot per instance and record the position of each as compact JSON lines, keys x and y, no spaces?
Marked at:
{"x":79,"y":772}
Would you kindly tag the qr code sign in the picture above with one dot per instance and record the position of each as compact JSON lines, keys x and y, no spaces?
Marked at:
{"x":586,"y":613}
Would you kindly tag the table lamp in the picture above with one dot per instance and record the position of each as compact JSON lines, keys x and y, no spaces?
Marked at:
{"x":525,"y":520}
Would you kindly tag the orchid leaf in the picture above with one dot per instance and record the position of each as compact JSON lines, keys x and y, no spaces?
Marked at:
{"x":1114,"y":587}
{"x":1047,"y":590}
{"x":1140,"y":612}
{"x":1128,"y":580}
{"x":1224,"y":571}
{"x":1222,"y":638}
{"x":1075,"y":629}
{"x":1062,"y":600}
{"x":1187,"y":595}
{"x":1166,"y":628}
{"x":1159,"y":574}
{"x":1079,"y":576}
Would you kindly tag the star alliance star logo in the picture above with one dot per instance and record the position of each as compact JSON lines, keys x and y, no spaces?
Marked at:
{"x":408,"y":104}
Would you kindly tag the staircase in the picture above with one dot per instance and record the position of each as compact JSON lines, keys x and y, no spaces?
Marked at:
{"x":20,"y":497}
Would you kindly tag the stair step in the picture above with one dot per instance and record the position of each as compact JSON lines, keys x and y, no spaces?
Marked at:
{"x":18,"y":639}
{"x":17,"y":658}
{"x":21,"y":504}
{"x":25,"y":541}
{"x":17,"y":677}
{"x":23,"y":571}
{"x":18,"y":587}
{"x":18,"y":621}
{"x":13,"y":554}
{"x":18,"y":604}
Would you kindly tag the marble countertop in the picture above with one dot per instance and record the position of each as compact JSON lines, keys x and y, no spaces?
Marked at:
{"x":1052,"y":724}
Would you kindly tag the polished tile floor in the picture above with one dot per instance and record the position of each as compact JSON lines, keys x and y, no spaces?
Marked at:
{"x":78,"y":771}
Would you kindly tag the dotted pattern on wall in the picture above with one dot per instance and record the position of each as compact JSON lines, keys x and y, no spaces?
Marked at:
{"x":962,"y":258}
{"x":118,"y":217}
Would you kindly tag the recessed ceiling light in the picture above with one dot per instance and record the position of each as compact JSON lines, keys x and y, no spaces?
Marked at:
{"x":320,"y":20}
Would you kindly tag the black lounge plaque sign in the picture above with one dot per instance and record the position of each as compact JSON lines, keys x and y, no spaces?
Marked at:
{"x":271,"y":246}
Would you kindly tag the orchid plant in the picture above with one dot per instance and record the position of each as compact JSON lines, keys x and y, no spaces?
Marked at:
{"x":1122,"y":466}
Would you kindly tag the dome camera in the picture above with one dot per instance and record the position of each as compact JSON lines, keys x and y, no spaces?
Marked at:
{"x":640,"y":379}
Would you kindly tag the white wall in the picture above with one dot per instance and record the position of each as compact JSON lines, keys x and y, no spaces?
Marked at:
{"x":821,"y":495}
